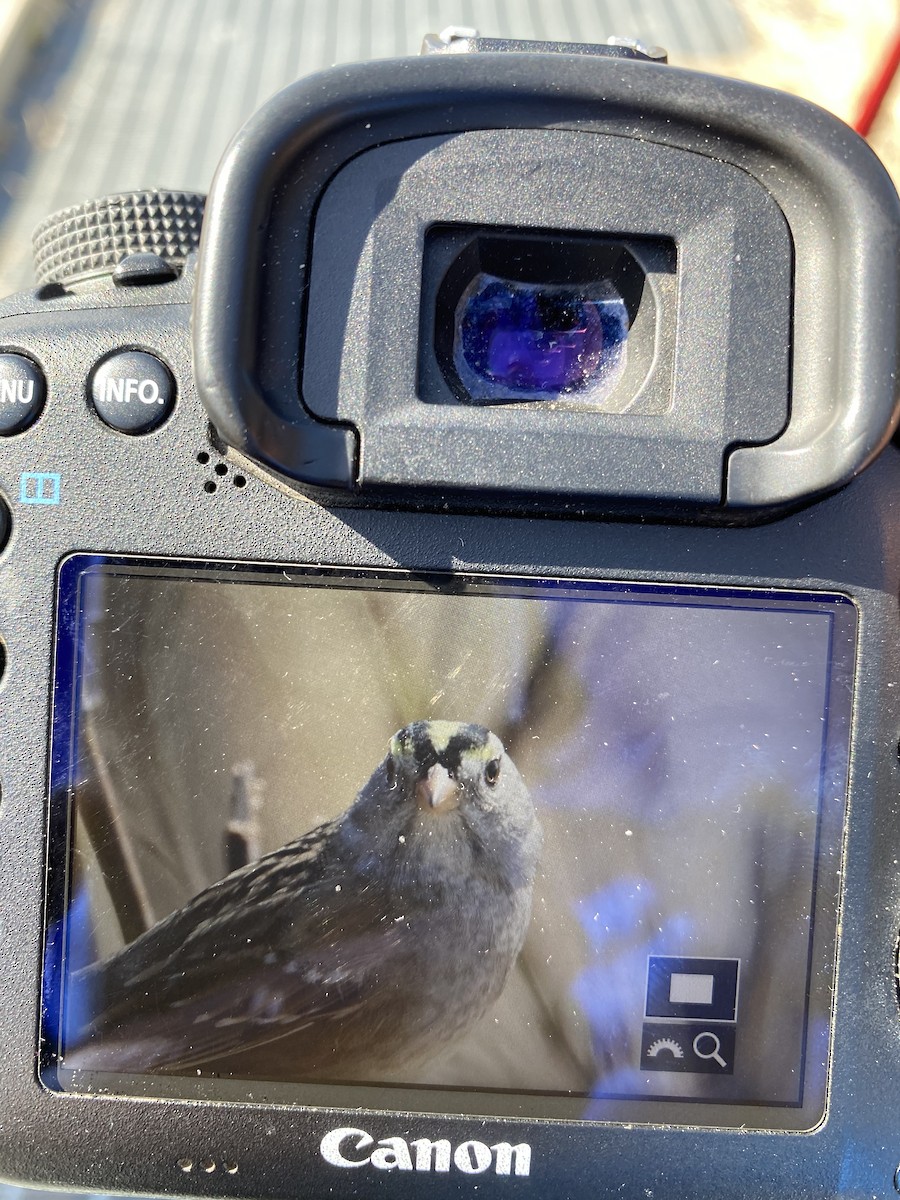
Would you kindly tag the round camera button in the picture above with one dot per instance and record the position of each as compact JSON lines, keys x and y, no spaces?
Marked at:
{"x":5,"y":526}
{"x":132,"y":391}
{"x":23,"y":391}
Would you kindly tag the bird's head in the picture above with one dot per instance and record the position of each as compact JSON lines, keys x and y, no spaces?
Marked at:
{"x":448,"y":800}
{"x":445,"y":764}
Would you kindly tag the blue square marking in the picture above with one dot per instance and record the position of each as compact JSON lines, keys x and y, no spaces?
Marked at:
{"x":39,"y":487}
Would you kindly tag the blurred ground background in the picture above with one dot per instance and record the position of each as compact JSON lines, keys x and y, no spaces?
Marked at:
{"x":825,"y":50}
{"x":103,"y":95}
{"x":108,"y":95}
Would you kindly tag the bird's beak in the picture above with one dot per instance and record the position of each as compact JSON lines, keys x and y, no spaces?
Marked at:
{"x":437,"y":792}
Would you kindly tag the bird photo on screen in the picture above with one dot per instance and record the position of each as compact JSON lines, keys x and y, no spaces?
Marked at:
{"x":367,"y":944}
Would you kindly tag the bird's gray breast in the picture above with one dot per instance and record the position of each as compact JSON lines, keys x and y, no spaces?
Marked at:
{"x":454,"y":961}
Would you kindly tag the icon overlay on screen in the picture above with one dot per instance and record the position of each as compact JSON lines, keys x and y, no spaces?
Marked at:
{"x":690,"y":1014}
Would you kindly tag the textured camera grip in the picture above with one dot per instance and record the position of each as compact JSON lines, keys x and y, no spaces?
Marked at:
{"x":92,"y":238}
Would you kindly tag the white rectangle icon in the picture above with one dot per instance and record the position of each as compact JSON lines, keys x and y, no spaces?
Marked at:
{"x":691,"y":989}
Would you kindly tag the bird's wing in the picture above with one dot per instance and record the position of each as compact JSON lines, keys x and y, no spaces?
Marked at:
{"x":285,"y":943}
{"x":224,"y":1013}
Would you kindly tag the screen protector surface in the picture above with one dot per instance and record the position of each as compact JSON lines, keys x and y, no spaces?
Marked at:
{"x":488,"y":845}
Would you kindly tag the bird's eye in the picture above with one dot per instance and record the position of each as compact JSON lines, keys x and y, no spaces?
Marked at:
{"x":492,"y":771}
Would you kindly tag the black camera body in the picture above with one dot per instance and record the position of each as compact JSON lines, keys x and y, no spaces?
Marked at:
{"x":541,"y":393}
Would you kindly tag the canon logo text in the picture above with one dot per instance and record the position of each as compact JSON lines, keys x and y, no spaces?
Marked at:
{"x":354,"y":1148}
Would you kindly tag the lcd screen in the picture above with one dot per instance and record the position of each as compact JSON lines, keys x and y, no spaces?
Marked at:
{"x":445,"y":843}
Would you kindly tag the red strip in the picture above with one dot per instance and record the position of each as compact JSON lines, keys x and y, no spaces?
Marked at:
{"x":877,"y":87}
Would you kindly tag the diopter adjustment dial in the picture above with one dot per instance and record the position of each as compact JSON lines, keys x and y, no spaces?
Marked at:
{"x":155,"y":230}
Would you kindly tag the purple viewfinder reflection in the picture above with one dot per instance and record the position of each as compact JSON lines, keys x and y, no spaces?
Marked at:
{"x":538,"y":341}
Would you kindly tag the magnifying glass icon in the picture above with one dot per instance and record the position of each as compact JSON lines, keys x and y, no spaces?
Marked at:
{"x":713,"y":1046}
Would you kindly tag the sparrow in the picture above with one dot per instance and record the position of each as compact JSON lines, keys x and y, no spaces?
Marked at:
{"x":368,"y":944}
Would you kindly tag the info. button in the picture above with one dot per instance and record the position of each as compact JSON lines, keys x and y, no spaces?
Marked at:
{"x":132,"y":391}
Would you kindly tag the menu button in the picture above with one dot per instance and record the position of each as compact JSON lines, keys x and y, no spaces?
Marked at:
{"x":22,"y":393}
